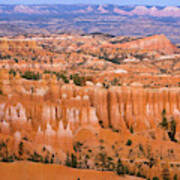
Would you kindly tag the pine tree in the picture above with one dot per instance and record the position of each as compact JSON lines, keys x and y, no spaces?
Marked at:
{"x":120,"y":168}
{"x":73,"y":161}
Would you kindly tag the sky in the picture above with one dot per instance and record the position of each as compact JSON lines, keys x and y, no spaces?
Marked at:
{"x":120,"y":2}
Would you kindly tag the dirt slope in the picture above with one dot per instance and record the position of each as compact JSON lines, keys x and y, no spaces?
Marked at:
{"x":37,"y":171}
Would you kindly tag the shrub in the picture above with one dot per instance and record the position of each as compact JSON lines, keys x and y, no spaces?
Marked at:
{"x":129,"y":142}
{"x":36,"y":157}
{"x":52,"y":159}
{"x":114,"y":82}
{"x":78,"y":81}
{"x":140,"y":175}
{"x":77,"y":146}
{"x":164,"y":112}
{"x":105,"y":85}
{"x":71,"y":162}
{"x":13,"y":72}
{"x":63,"y":77}
{"x":68,"y":161}
{"x":126,"y":170}
{"x":8,"y":159}
{"x":131,"y":130}
{"x":120,"y":168}
{"x":141,"y":148}
{"x":175,"y":177}
{"x":31,"y":75}
{"x":101,"y":123}
{"x":16,"y":60}
{"x":172,"y":131}
{"x":164,"y":122}
{"x":46,"y":160}
{"x":21,"y":145}
{"x":170,"y":127}
{"x":74,"y":161}
{"x":155,"y":178}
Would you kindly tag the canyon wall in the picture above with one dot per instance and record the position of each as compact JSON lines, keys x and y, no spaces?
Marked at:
{"x":51,"y":108}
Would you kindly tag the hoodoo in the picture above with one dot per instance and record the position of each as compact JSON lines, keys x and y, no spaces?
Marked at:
{"x":106,"y":103}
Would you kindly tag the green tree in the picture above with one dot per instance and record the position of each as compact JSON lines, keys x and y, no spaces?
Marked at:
{"x":129,"y":142}
{"x":16,"y":60}
{"x":172,"y":131}
{"x":164,"y":122}
{"x":13,"y":72}
{"x":131,"y":130}
{"x":175,"y":177}
{"x":46,"y":160}
{"x":73,"y":161}
{"x":21,"y":148}
{"x":31,"y":75}
{"x":120,"y":168}
{"x":155,"y":178}
{"x":79,"y":81}
{"x":68,"y":161}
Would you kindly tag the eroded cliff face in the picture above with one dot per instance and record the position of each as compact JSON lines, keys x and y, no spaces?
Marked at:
{"x":127,"y":111}
{"x":158,"y":43}
{"x":9,"y":44}
{"x":55,"y":109}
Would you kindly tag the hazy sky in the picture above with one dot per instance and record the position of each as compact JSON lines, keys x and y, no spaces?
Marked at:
{"x":121,"y":2}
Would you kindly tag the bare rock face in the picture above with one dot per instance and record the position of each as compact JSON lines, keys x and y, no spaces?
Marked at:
{"x":123,"y":107}
{"x":59,"y":118}
{"x":17,"y":44}
{"x":67,"y":108}
{"x":157,"y":42}
{"x":52,"y":107}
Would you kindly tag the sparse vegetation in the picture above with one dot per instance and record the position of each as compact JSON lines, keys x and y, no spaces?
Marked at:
{"x":172,"y":130}
{"x":31,"y":75}
{"x":169,"y":126}
{"x":78,"y":80}
{"x":155,"y":178}
{"x":71,"y":161}
{"x":129,"y":142}
{"x":13,"y":72}
{"x":131,"y":130}
{"x":175,"y":177}
{"x":16,"y":60}
{"x":164,"y":122}
{"x":120,"y":168}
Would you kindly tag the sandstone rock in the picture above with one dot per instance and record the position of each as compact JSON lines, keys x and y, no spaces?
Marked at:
{"x":157,"y":42}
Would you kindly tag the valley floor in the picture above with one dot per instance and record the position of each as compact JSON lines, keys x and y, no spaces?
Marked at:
{"x":38,"y":171}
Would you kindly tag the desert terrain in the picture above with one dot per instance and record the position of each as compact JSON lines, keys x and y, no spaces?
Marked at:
{"x":37,"y":171}
{"x":89,"y":106}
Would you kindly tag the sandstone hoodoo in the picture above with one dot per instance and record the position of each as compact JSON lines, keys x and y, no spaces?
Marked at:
{"x":86,"y":102}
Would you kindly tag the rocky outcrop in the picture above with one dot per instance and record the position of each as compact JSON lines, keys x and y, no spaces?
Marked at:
{"x":17,"y":44}
{"x":49,"y":117}
{"x":118,"y":107}
{"x":157,"y":43}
